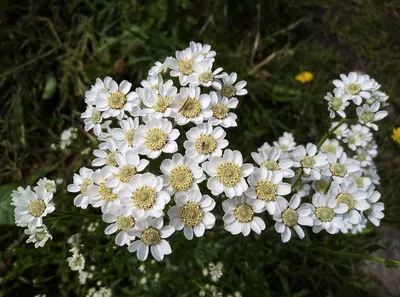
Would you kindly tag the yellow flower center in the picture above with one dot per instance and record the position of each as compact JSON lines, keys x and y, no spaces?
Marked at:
{"x":228,"y":91}
{"x":338,"y":169}
{"x":324,"y":213}
{"x":205,"y":77}
{"x":352,"y":89}
{"x":359,"y":181}
{"x":220,"y":111}
{"x":191,"y":214}
{"x":180,"y":178}
{"x":191,"y":108}
{"x":186,"y":66}
{"x":229,"y":174}
{"x":329,"y":148}
{"x":85,"y":184}
{"x":110,"y":159}
{"x":368,"y":117}
{"x":36,"y":208}
{"x":271,"y":165}
{"x":117,"y":100}
{"x":126,"y":172}
{"x":336,"y":103}
{"x":95,"y":118}
{"x":266,"y":190}
{"x":150,"y":236}
{"x":347,"y":199}
{"x":106,"y":193}
{"x":205,"y":144}
{"x":244,"y":213}
{"x":155,"y":139}
{"x":290,"y":217}
{"x":351,"y":139}
{"x":162,"y":104}
{"x":307,"y":162}
{"x":144,"y":197}
{"x":129,"y":135}
{"x":283,"y":147}
{"x":125,"y":223}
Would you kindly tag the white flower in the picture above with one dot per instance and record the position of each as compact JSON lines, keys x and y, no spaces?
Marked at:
{"x":182,"y":65}
{"x":378,"y":96}
{"x":327,"y":214}
{"x":373,"y":175}
{"x":358,"y":86}
{"x":91,"y":95}
{"x":145,"y":196}
{"x":290,"y":215}
{"x":227,"y":174}
{"x":121,"y":221}
{"x":228,"y":88}
{"x":205,"y":142}
{"x":142,"y":94}
{"x":31,"y":207}
{"x":92,"y":119}
{"x":375,"y":212}
{"x":362,"y":182}
{"x":286,"y":142}
{"x":339,"y":168}
{"x":308,"y":159}
{"x":38,"y":236}
{"x":153,"y":82}
{"x":48,"y":184}
{"x":265,"y":186}
{"x":203,"y":74}
{"x":128,"y":164}
{"x":159,"y":102}
{"x":271,"y":159}
{"x":341,"y":131}
{"x":67,"y":136}
{"x":354,"y":198}
{"x":337,"y":103}
{"x":367,"y":115}
{"x":158,"y":68}
{"x":239,"y":216}
{"x":152,"y":236}
{"x":322,"y":185}
{"x":20,"y":191}
{"x":106,"y":154}
{"x":124,"y":136}
{"x":99,"y":194}
{"x":204,"y":50}
{"x":192,"y":213}
{"x":81,"y":183}
{"x":215,"y":271}
{"x":83,"y":276}
{"x":264,"y":148}
{"x":302,"y":189}
{"x":114,"y":100}
{"x":358,"y":136}
{"x":192,"y":106}
{"x":181,"y":174}
{"x":332,"y":146}
{"x":372,"y":149}
{"x":220,"y":108}
{"x":155,"y":137}
{"x":77,"y":261}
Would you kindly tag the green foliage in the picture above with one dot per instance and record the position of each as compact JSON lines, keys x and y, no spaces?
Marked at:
{"x":6,"y":209}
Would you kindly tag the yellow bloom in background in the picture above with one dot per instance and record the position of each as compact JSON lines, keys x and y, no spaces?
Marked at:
{"x":396,"y":135}
{"x":305,"y":77}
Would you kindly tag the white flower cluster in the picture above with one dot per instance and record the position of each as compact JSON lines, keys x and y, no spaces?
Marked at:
{"x":66,"y":138}
{"x":134,"y":126}
{"x":31,"y":207}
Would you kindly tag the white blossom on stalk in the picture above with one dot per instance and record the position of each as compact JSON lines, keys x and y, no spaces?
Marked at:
{"x":204,"y":50}
{"x":48,"y":184}
{"x":367,"y":115}
{"x":203,"y":74}
{"x":158,"y":68}
{"x":124,"y":135}
{"x":38,"y":235}
{"x":220,"y":108}
{"x":337,"y":102}
{"x":92,"y":94}
{"x":228,"y":87}
{"x":121,"y":221}
{"x":332,"y":146}
{"x":339,"y":168}
{"x":77,"y":261}
{"x":363,"y":182}
{"x":92,"y":119}
{"x":340,"y":131}
{"x":105,"y":154}
{"x":272,"y":160}
{"x":153,"y":82}
{"x":159,"y":102}
{"x":286,"y":143}
{"x":80,"y":184}
{"x":308,"y":159}
{"x":182,"y":65}
{"x":375,"y":212}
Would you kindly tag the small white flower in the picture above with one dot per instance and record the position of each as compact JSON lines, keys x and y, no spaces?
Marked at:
{"x":67,"y":136}
{"x":145,"y":196}
{"x":308,"y":159}
{"x":341,"y":131}
{"x":322,"y":185}
{"x":203,"y":74}
{"x":92,"y":119}
{"x":48,"y":184}
{"x":38,"y":236}
{"x":158,"y":68}
{"x":271,"y":159}
{"x":31,"y":207}
{"x":182,"y":65}
{"x":378,"y":96}
{"x":142,"y":94}
{"x":124,"y":136}
{"x":215,"y":271}
{"x":358,"y":86}
{"x":302,"y":189}
{"x":337,"y":102}
{"x":77,"y":261}
{"x":372,"y":173}
{"x":152,"y":236}
{"x":367,"y":115}
{"x":362,"y":182}
{"x":83,"y":276}
{"x":81,"y":183}
{"x":227,"y":174}
{"x":155,"y":137}
{"x":228,"y":88}
{"x":240,"y":216}
{"x":339,"y":168}
{"x":291,"y":215}
{"x":365,"y":157}
{"x":121,"y":221}
{"x":152,"y":82}
{"x":205,"y":142}
{"x":192,"y":213}
{"x":375,"y":212}
{"x":358,"y":136}
{"x":92,"y":94}
{"x":286,"y":143}
{"x":332,"y":146}
{"x":181,"y":174}
{"x":220,"y":108}
{"x":204,"y":50}
{"x":105,"y":154}
{"x":159,"y":102}
{"x":265,"y":186}
{"x":264,"y":148}
{"x":372,"y":149}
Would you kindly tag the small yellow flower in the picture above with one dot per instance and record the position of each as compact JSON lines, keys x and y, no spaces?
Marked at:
{"x":396,"y":135}
{"x":305,"y":77}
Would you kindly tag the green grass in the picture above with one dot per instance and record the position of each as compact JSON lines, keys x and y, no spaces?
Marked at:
{"x":52,"y":52}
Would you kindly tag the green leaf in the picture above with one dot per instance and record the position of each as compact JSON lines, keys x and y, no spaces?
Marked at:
{"x":373,"y":248}
{"x":50,"y":87}
{"x":6,"y":209}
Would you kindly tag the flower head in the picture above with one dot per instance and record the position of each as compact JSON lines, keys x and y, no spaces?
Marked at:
{"x":396,"y":135}
{"x":304,"y":77}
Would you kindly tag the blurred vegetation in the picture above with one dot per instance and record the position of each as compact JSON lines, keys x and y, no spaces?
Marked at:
{"x":51,"y":51}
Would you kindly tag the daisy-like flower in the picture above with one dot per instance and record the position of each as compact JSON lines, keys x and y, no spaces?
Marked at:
{"x":291,"y":215}
{"x":81,"y":183}
{"x":152,"y":236}
{"x":371,"y":148}
{"x":99,"y":194}
{"x":286,"y":143}
{"x":353,"y":197}
{"x":128,"y":164}
{"x":363,"y":157}
{"x":182,"y":65}
{"x":158,"y":68}
{"x":145,"y":196}
{"x":92,"y":94}
{"x":339,"y":168}
{"x":380,"y":97}
{"x":240,"y":216}
{"x":105,"y":154}
{"x":372,"y":173}
{"x":332,"y":146}
{"x":15,"y":194}
{"x":264,"y":148}
{"x":228,"y":88}
{"x":151,"y":83}
{"x":205,"y":142}
{"x":265,"y":186}
{"x":155,"y":137}
{"x":92,"y":119}
{"x":308,"y":159}
{"x":192,"y":106}
{"x":203,"y":74}
{"x":158,"y":103}
{"x":270,"y":159}
{"x":358,"y":86}
{"x":181,"y":174}
{"x":375,"y":212}
{"x":192,"y":213}
{"x":113,"y":100}
{"x":362,"y":182}
{"x":337,"y":102}
{"x":33,"y":206}
{"x":341,"y":131}
{"x":358,"y":136}
{"x":121,"y":221}
{"x":38,"y":236}
{"x":77,"y":261}
{"x":48,"y":184}
{"x":322,"y":185}
{"x":227,"y":174}
{"x":367,"y":115}
{"x":327,"y":213}
{"x":220,"y":108}
{"x":204,"y":50}
{"x":142,"y":94}
{"x":124,"y":136}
